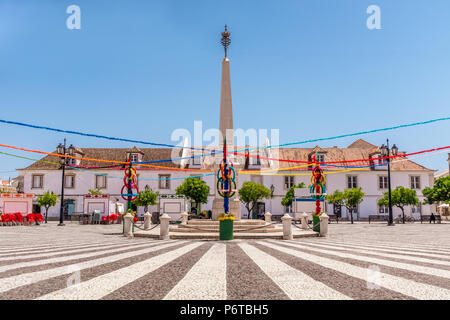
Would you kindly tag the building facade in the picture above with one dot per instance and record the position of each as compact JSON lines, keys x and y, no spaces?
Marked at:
{"x":277,"y":176}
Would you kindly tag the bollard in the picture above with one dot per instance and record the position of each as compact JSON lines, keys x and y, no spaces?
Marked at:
{"x":324,"y":224}
{"x":287,"y":228}
{"x":304,"y":218}
{"x":164,"y":227}
{"x":268,"y":217}
{"x":128,"y":224}
{"x":147,"y":220}
{"x":184,"y":218}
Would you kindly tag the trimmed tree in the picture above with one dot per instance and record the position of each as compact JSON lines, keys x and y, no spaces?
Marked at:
{"x":47,"y":200}
{"x":96,"y":191}
{"x":350,"y":199}
{"x":194,"y":189}
{"x":250,"y":193}
{"x":287,"y":199}
{"x":440,"y":192}
{"x":146,"y":198}
{"x":400,"y":197}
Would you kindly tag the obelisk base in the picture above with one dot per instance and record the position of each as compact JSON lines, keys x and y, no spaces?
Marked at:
{"x":217,"y":208}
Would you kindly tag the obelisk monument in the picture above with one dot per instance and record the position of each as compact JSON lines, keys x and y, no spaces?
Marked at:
{"x":226,"y":130}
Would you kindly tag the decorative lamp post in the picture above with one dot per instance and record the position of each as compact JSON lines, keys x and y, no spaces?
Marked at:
{"x":61,"y":149}
{"x":386,"y":152}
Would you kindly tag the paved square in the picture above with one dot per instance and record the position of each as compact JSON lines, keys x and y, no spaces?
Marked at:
{"x":360,"y":261}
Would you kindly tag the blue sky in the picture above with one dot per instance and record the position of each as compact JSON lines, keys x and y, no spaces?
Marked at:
{"x":141,"y":69}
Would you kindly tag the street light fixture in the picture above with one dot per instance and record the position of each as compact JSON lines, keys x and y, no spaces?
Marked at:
{"x":385,"y":152}
{"x":61,"y":150}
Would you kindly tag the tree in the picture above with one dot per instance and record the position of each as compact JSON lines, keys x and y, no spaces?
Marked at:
{"x":440,"y":192}
{"x":287,"y":199}
{"x":400,"y":197}
{"x":350,"y":199}
{"x":47,"y":200}
{"x":95,"y":191}
{"x":146,"y":198}
{"x":250,"y":193}
{"x":194,"y":189}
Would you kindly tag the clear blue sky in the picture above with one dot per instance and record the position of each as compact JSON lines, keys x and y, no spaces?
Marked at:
{"x":140,"y":69}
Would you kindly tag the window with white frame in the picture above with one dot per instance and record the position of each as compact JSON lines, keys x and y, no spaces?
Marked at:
{"x":254,"y":159}
{"x":384,"y":209}
{"x":382,"y":182}
{"x":352,"y":182}
{"x":37,"y":181}
{"x":69,"y":181}
{"x":288,"y":209}
{"x":164,"y":182}
{"x":415,"y":182}
{"x":100,"y":182}
{"x":197,"y":158}
{"x":416,"y":209}
{"x":288,"y":182}
{"x":320,"y":157}
{"x":134,"y":157}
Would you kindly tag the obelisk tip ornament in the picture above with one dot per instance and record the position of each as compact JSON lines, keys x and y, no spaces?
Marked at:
{"x":226,"y":41}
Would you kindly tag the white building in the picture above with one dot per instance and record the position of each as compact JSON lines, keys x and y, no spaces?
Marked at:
{"x":40,"y":176}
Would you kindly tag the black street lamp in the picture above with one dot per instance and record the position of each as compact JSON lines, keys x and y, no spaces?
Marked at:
{"x":385,"y":152}
{"x":61,"y":149}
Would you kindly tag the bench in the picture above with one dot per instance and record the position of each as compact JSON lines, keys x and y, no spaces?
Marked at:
{"x":333,"y":217}
{"x":427,"y":218}
{"x":376,"y":217}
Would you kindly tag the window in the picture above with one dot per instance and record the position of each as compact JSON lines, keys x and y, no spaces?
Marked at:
{"x":197,"y":159}
{"x":288,"y":182}
{"x":415,"y":182}
{"x":69,"y":181}
{"x":71,"y":161}
{"x":383,"y":209}
{"x":100,"y":182}
{"x":352,"y":182}
{"x":254,"y":159}
{"x":134,"y":157}
{"x":164,"y":182}
{"x":37,"y":181}
{"x":382,"y":182}
{"x":288,"y":209}
{"x":320,"y":157}
{"x":416,"y":209}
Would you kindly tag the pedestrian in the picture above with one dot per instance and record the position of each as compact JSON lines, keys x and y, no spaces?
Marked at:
{"x":432,"y":218}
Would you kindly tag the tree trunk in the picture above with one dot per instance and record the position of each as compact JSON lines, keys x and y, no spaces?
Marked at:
{"x":403,"y":214}
{"x":351,"y":214}
{"x":249,"y":216}
{"x":46,"y":214}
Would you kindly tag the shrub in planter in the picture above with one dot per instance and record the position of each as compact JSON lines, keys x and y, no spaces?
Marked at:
{"x":226,"y":222}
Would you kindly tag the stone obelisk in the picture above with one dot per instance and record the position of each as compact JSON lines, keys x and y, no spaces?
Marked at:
{"x":226,"y":130}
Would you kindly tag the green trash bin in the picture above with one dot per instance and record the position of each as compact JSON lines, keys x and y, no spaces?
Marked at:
{"x":316,"y":223}
{"x":226,"y":229}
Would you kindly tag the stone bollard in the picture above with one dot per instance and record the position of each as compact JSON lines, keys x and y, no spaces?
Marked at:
{"x":324,"y":224}
{"x":164,"y":227}
{"x":304,"y":218}
{"x":287,"y":227}
{"x":184,"y":218}
{"x":268,"y":217}
{"x":128,"y":225}
{"x":147,"y":220}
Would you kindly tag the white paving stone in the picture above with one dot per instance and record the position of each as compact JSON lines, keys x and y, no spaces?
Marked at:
{"x":103,"y":285}
{"x":206,"y":279}
{"x":294,"y":283}
{"x":407,"y":287}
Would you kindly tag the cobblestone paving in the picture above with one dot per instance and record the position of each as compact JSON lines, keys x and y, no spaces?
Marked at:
{"x":360,"y":261}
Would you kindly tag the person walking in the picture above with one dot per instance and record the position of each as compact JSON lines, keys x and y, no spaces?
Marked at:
{"x":432,"y":218}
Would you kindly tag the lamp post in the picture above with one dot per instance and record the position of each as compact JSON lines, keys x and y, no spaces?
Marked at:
{"x":61,"y":149}
{"x":385,"y":152}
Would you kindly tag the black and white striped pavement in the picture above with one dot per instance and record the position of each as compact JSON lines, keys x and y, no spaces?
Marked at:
{"x":57,"y":267}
